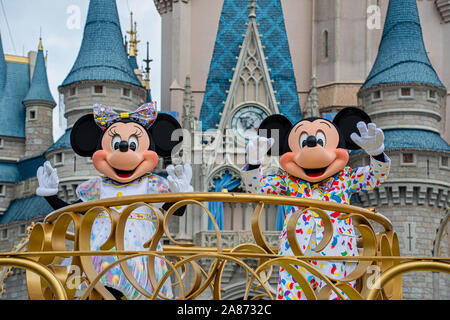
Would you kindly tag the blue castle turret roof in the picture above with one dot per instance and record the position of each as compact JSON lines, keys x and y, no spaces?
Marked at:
{"x":402,"y":57}
{"x":14,"y":85}
{"x":39,"y":89}
{"x":26,"y":208}
{"x":102,"y":55}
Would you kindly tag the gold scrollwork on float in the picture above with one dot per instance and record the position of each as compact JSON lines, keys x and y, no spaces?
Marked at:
{"x":59,"y":252}
{"x":44,"y":274}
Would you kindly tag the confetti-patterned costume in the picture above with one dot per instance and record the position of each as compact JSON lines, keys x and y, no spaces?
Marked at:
{"x":139,"y":229}
{"x":337,"y":188}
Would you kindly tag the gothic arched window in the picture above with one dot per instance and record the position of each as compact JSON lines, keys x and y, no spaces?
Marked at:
{"x":326,"y":47}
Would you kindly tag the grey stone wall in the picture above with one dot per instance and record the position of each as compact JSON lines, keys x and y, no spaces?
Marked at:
{"x":9,"y":195}
{"x":80,"y":101}
{"x":414,"y":199}
{"x":15,"y":284}
{"x":71,"y":171}
{"x":394,"y":111}
{"x":13,"y":148}
{"x":38,"y":131}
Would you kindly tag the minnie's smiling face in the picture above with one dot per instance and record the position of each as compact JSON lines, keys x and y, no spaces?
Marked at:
{"x":129,"y":146}
{"x":125,"y":154}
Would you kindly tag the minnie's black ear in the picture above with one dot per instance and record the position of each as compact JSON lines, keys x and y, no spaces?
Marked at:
{"x":161,"y":131}
{"x":85,"y":136}
{"x":278,"y":127}
{"x":346,"y":121}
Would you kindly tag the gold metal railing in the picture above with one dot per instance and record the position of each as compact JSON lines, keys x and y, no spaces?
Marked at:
{"x":49,"y":242}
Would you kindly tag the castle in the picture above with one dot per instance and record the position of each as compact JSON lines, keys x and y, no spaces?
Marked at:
{"x":226,"y":64}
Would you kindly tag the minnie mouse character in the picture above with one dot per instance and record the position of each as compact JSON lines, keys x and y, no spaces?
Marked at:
{"x":124,"y":148}
{"x":313,"y":154}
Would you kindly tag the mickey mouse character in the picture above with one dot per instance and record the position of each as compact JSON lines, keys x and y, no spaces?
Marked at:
{"x":314,"y":156}
{"x":124,"y":148}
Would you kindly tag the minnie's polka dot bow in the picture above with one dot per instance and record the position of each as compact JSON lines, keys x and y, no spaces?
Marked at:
{"x":145,"y":115}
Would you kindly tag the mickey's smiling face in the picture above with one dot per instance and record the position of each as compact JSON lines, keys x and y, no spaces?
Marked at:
{"x":314,"y":154}
{"x":313,"y":149}
{"x":125,"y":154}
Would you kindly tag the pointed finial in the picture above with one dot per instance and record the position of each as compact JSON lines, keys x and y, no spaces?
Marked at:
{"x":131,"y":20}
{"x":147,"y":63}
{"x":188,"y":106}
{"x":313,"y":99}
{"x":40,"y":47}
{"x":314,"y":83}
{"x":252,"y":8}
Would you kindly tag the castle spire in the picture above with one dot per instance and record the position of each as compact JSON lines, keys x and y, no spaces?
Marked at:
{"x":133,"y":37}
{"x":39,"y":89}
{"x":2,"y":69}
{"x":312,"y":107}
{"x":40,"y":47}
{"x":102,"y":55}
{"x":402,"y":57}
{"x":132,"y":54}
{"x":252,"y":7}
{"x":188,"y":106}
{"x":39,"y":101}
{"x":147,"y":74}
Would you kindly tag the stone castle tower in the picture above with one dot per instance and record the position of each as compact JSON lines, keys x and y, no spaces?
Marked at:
{"x":405,"y":97}
{"x":38,"y":104}
{"x":102,"y":74}
{"x":26,"y":105}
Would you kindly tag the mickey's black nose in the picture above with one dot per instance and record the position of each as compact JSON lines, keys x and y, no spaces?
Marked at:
{"x":311,"y":141}
{"x":123,"y":146}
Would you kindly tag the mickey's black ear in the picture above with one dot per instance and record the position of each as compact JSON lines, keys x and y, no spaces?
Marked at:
{"x":161,"y":131}
{"x":346,"y":121}
{"x":278,"y":127}
{"x":85,"y":136}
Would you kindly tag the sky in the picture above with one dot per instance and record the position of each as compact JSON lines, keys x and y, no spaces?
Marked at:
{"x":62,"y":25}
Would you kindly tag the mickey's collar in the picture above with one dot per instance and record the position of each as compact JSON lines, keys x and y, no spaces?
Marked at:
{"x":323,"y":186}
{"x":108,"y":180}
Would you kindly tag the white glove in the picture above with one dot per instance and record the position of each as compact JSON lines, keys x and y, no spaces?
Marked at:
{"x":48,"y":180}
{"x":179,"y":178}
{"x":257,"y":149}
{"x":371,"y":138}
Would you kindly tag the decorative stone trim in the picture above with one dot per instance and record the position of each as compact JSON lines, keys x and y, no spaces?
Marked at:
{"x":398,"y":194}
{"x":443,"y":7}
{"x":367,"y":90}
{"x":219,"y":172}
{"x":164,"y":6}
{"x":231,"y":239}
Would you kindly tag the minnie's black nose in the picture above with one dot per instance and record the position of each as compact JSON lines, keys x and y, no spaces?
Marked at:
{"x":311,"y":141}
{"x":123,"y":146}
